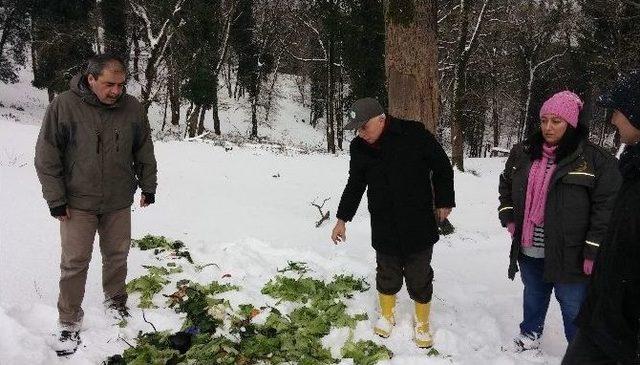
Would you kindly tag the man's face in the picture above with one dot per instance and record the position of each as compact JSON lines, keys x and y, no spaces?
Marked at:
{"x":372,"y":129}
{"x":628,"y":133}
{"x":108,"y":86}
{"x":553,"y":128}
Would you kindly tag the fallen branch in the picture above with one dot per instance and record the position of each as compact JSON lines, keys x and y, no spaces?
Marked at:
{"x":196,"y":138}
{"x":125,"y":341}
{"x":323,"y":216}
{"x":145,"y":319}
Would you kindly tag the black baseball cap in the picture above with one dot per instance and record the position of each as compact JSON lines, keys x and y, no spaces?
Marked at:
{"x":361,"y":111}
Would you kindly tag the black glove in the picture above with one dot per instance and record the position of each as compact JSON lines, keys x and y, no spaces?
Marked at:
{"x":60,"y":211}
{"x":149,"y":198}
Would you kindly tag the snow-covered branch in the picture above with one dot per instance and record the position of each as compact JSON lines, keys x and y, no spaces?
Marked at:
{"x":535,"y":68}
{"x":227,"y":32}
{"x":474,"y":37}
{"x":141,"y":12}
{"x":444,"y":17}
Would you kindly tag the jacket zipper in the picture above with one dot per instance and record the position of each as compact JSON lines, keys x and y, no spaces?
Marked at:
{"x":99,"y":142}
{"x":117,"y":143}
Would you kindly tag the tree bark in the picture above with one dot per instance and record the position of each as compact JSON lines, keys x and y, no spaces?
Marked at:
{"x":203,"y":112}
{"x":174,"y":91}
{"x":254,"y":118}
{"x":136,"y":55}
{"x":192,"y":121}
{"x":411,"y":60}
{"x":330,"y":99}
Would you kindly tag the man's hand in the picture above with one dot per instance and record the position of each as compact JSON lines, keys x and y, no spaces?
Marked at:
{"x":147,"y":199}
{"x":339,"y":232}
{"x":66,"y":217}
{"x":60,"y":213}
{"x":442,"y":213}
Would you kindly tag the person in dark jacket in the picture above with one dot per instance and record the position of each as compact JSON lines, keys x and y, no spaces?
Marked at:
{"x":93,"y":151}
{"x":406,"y":173}
{"x":556,"y":196}
{"x":609,"y":320}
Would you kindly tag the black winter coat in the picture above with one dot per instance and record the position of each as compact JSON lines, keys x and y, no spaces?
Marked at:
{"x":579,"y":204}
{"x":611,"y":312}
{"x":399,"y":175}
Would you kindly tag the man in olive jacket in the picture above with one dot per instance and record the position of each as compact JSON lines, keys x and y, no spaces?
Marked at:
{"x":406,"y":173}
{"x":93,"y":151}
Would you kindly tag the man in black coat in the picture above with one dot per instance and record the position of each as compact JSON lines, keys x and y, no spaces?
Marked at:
{"x":406,"y":173}
{"x":609,"y":320}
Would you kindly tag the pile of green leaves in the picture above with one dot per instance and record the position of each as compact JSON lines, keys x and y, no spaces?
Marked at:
{"x":324,"y":307}
{"x":200,"y":305}
{"x":219,"y":334}
{"x":161,"y":244}
{"x":151,"y":284}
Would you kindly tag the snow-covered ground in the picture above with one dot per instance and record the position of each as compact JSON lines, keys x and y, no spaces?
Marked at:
{"x":248,"y":210}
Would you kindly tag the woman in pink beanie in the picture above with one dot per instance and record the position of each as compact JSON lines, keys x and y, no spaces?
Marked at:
{"x":556,"y":196}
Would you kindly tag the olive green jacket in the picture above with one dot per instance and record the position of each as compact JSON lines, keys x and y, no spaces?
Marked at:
{"x":92,"y":156}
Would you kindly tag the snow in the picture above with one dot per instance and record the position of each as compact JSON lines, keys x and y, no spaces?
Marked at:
{"x":226,"y":205}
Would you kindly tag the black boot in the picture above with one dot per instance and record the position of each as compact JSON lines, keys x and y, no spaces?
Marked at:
{"x":67,"y":342}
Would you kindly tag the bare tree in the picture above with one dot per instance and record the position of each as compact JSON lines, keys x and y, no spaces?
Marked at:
{"x":157,"y":42}
{"x":464,"y":50}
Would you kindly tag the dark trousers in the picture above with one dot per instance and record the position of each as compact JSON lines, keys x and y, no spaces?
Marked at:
{"x":414,"y":268}
{"x":584,"y":351}
{"x":537,"y":294}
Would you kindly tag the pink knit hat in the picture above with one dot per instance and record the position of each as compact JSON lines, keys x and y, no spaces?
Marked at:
{"x":565,"y":105}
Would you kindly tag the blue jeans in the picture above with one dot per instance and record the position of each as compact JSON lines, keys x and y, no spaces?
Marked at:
{"x":537,"y":294}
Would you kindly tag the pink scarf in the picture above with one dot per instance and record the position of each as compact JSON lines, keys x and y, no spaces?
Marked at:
{"x":537,"y":189}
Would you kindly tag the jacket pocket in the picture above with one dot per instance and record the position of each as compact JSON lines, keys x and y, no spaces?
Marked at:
{"x":573,"y":257}
{"x":68,"y":173}
{"x":576,"y":201}
{"x":585,"y":179}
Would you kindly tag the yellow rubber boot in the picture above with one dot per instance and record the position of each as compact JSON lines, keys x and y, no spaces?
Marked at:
{"x":422,"y":332}
{"x":386,"y":321}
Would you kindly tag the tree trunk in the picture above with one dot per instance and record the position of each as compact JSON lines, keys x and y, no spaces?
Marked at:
{"x":527,"y":105}
{"x":459,"y":88}
{"x":216,"y":116}
{"x":173,"y":88}
{"x":457,"y":131}
{"x":203,"y":112}
{"x":339,"y":111}
{"x":495,"y":115}
{"x":7,"y":28}
{"x":164,"y":115}
{"x":136,"y":55}
{"x":330,"y":99}
{"x":272,"y":88}
{"x":254,"y":118}
{"x":192,"y":121}
{"x":411,"y":60}
{"x":228,"y":80}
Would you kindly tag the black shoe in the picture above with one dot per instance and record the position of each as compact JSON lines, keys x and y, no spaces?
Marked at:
{"x":121,"y":309}
{"x":67,"y":343}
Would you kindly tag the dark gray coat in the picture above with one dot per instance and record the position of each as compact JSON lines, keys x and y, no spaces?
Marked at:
{"x":404,"y":177}
{"x":611,"y":312}
{"x":579,"y":204}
